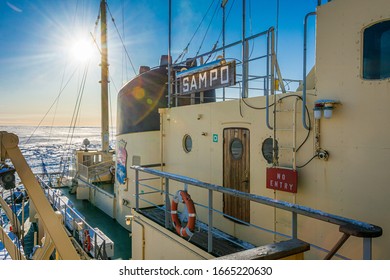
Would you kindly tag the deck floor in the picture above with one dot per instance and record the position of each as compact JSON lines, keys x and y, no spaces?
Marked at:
{"x":109,"y":226}
{"x":223,"y":243}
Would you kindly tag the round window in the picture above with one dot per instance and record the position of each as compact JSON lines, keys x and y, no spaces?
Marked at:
{"x":236,"y":148}
{"x":267,"y":149}
{"x":187,"y":143}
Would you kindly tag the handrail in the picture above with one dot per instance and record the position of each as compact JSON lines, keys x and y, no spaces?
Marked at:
{"x":348,"y":226}
{"x":55,"y":198}
{"x":267,"y":83}
{"x":90,"y":185}
{"x":226,"y":47}
{"x":245,"y":60}
{"x":304,"y":71}
{"x":91,"y":171}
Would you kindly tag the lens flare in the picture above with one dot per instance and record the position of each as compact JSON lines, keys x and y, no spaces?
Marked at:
{"x":81,"y":50}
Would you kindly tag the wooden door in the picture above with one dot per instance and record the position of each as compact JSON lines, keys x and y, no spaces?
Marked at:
{"x":236,"y":171}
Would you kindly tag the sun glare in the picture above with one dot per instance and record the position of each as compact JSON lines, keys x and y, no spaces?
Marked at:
{"x":82,"y":50}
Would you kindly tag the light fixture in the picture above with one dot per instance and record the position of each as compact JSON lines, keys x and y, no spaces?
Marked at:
{"x":326,"y":105}
{"x":128,"y":219}
{"x":328,"y":111}
{"x":317,"y":112}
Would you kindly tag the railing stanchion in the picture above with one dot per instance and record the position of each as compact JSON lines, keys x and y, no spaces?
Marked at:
{"x":167,"y":203}
{"x":210,"y":221}
{"x":137,"y":190}
{"x":95,"y":247}
{"x":294,"y":226}
{"x":74,"y":226}
{"x":65,"y":209}
{"x":367,"y":248}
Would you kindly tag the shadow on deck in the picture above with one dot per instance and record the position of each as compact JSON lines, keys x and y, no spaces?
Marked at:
{"x":223,"y":243}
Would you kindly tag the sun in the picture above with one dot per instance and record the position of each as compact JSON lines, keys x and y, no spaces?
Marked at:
{"x":82,"y":50}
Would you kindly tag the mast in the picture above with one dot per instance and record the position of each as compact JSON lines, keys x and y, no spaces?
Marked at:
{"x":104,"y":77}
{"x":169,"y":52}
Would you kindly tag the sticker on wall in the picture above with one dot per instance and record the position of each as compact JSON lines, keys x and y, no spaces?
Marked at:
{"x":215,"y":138}
{"x":121,"y":160}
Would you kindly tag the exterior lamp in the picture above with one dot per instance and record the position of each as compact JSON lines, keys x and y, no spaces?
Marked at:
{"x":326,"y":105}
{"x":317,"y":112}
{"x":128,"y":219}
{"x":328,"y":111}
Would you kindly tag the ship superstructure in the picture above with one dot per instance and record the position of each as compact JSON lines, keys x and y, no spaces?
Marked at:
{"x":271,"y":168}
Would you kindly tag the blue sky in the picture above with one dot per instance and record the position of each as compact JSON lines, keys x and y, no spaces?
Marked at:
{"x":36,"y":38}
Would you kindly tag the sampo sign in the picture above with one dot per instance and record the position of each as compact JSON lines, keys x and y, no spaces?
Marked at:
{"x":282,"y":179}
{"x":213,"y":75}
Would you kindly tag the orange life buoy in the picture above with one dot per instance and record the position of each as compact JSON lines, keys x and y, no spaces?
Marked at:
{"x":87,"y":241}
{"x":187,"y":231}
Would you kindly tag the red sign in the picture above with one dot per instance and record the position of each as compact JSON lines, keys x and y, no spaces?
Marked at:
{"x":282,"y":179}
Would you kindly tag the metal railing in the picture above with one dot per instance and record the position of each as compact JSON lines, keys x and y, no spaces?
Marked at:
{"x":263,"y":73}
{"x":71,"y":219}
{"x":348,"y":227}
{"x":94,"y":171}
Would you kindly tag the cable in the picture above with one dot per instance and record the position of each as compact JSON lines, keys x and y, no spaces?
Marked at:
{"x":75,"y":115}
{"x":207,"y":30}
{"x":124,"y":61}
{"x":120,"y":37}
{"x":57,"y":98}
{"x":284,"y":97}
{"x":185,"y":50}
{"x":301,"y":166}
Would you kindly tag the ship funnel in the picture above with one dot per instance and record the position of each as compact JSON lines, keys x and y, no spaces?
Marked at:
{"x":143,"y":69}
{"x":164,"y":60}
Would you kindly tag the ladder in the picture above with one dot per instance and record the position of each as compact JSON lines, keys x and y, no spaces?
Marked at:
{"x":278,"y":130}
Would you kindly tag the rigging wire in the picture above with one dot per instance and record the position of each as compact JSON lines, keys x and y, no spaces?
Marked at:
{"x":207,"y":30}
{"x":51,"y":106}
{"x":220,"y":34}
{"x":185,"y":50}
{"x":72,"y":126}
{"x":124,"y":61}
{"x":55,"y":110}
{"x":120,"y":37}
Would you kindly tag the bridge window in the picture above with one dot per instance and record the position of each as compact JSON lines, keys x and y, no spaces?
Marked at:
{"x":376,"y":51}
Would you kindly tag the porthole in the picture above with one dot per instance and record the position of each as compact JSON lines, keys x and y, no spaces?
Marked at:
{"x":267,"y":149}
{"x":376,"y":51}
{"x":187,"y":143}
{"x":236,"y":148}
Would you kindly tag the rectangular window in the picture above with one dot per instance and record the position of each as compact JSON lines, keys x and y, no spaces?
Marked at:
{"x":376,"y":51}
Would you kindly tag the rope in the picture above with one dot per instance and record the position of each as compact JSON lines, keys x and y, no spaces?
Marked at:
{"x":220,"y":34}
{"x":207,"y":30}
{"x":57,"y":98}
{"x":124,"y":61}
{"x":75,"y":115}
{"x":120,"y":37}
{"x":55,"y":110}
{"x":185,"y":50}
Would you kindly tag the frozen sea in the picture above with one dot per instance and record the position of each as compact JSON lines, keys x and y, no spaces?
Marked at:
{"x":53,"y":146}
